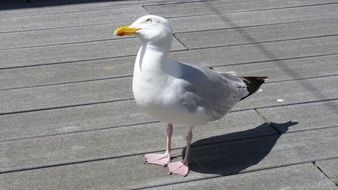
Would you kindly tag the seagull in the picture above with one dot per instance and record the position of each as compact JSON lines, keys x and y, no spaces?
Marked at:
{"x":179,"y":93}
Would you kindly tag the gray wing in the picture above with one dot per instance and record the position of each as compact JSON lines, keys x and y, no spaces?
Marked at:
{"x":216,"y":93}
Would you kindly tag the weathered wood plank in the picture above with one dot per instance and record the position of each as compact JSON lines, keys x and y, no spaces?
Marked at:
{"x":72,"y":119}
{"x":38,"y":7}
{"x":65,"y":95}
{"x":287,"y":69}
{"x":117,"y":142}
{"x":309,"y":116}
{"x":259,"y":33}
{"x":330,"y":168}
{"x":122,"y":67}
{"x":21,"y":23}
{"x":72,"y":52}
{"x":262,"y":51}
{"x":292,"y":92}
{"x":129,"y":172}
{"x":56,"y":36}
{"x":219,"y":7}
{"x":65,"y":73}
{"x":231,"y":20}
{"x":56,"y":7}
{"x":303,"y":176}
{"x":42,"y":7}
{"x":265,"y":152}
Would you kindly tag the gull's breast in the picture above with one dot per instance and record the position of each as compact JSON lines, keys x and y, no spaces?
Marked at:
{"x":163,"y":100}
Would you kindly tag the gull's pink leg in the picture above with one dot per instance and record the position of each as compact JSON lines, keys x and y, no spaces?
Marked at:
{"x":162,"y":159}
{"x":182,"y":167}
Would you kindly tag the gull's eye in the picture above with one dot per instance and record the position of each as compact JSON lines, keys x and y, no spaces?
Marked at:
{"x":149,"y":20}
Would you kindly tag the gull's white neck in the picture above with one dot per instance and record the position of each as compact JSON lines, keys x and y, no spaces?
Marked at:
{"x":150,"y":71}
{"x":152,"y":57}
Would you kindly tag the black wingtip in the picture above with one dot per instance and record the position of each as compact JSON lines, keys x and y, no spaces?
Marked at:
{"x":253,"y":83}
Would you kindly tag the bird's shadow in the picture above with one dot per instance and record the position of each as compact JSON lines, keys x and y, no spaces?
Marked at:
{"x":223,"y":156}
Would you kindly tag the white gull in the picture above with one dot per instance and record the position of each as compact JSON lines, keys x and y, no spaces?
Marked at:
{"x":179,"y":93}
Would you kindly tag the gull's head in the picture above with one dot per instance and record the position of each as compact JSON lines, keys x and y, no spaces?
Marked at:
{"x":148,"y":28}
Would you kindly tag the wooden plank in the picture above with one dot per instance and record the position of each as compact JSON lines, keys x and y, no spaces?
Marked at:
{"x":261,"y":51}
{"x":292,"y":92}
{"x":241,"y":19}
{"x":287,"y":69}
{"x":42,"y":7}
{"x":303,"y":176}
{"x":72,"y":119}
{"x":219,"y":7}
{"x":259,"y":34}
{"x":309,"y":116}
{"x":118,"y":142}
{"x":329,"y":167}
{"x":56,"y":36}
{"x":72,"y":52}
{"x":122,"y":67}
{"x":129,"y":172}
{"x":71,"y":19}
{"x":66,"y":73}
{"x":266,"y":152}
{"x":64,"y":95}
{"x":56,"y":7}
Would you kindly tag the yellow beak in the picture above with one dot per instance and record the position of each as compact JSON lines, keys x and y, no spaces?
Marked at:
{"x":125,"y":31}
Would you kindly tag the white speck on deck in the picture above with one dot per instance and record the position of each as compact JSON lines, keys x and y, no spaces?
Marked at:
{"x":280,"y":100}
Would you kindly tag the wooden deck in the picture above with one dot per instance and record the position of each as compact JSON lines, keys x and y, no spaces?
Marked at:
{"x":68,"y":119}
